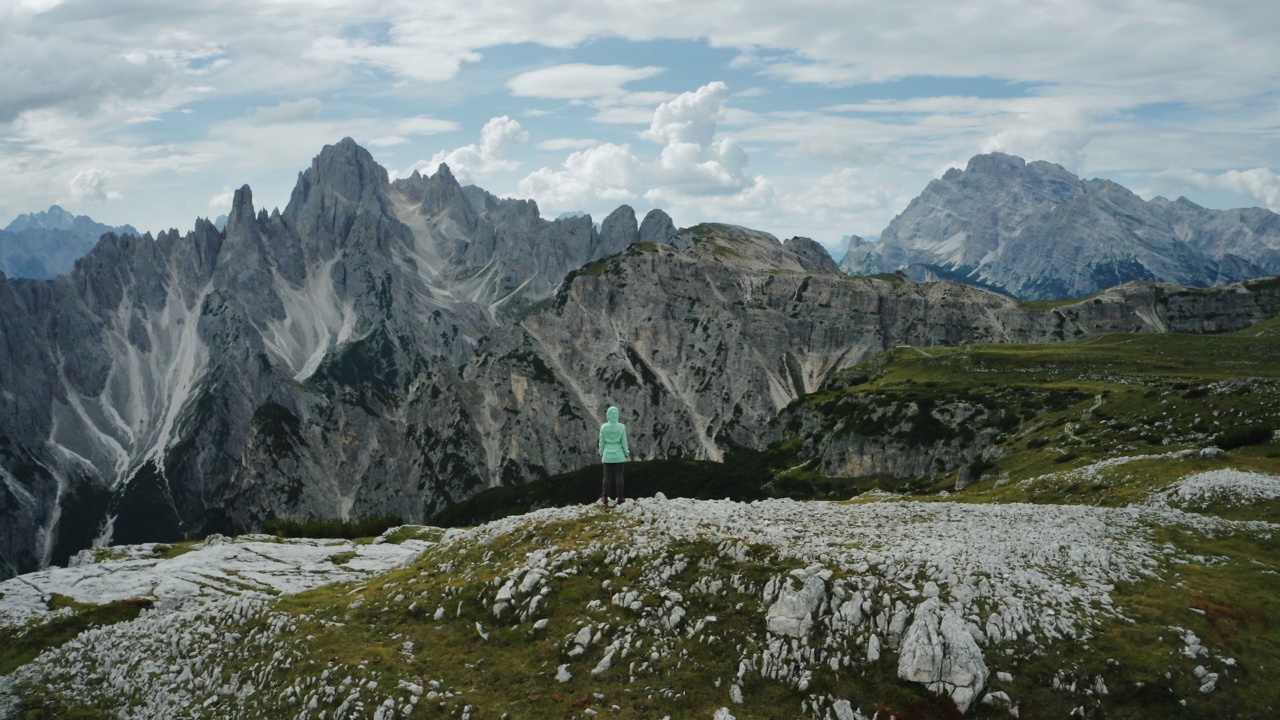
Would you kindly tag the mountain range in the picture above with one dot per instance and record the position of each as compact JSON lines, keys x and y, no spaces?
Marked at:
{"x":46,"y":244}
{"x":384,"y":347}
{"x":1037,"y":232}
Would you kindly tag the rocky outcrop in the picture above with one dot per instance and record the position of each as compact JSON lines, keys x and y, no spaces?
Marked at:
{"x":1035,"y":231}
{"x":938,"y":651}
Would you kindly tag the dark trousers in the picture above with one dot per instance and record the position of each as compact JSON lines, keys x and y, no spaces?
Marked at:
{"x":612,"y":488}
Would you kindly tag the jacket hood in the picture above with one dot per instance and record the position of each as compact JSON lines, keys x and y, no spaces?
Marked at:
{"x":611,"y":414}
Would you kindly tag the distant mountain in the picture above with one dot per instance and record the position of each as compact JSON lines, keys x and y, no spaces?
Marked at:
{"x":46,"y":244}
{"x":1035,"y":231}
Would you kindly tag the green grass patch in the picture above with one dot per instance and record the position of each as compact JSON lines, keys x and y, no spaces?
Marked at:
{"x":1228,"y":595}
{"x":19,"y":646}
{"x":343,"y":558}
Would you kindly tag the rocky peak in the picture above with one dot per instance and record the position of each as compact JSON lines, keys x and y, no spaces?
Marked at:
{"x":753,"y":250}
{"x":241,"y":219}
{"x":994,"y":163}
{"x":444,"y":175}
{"x":618,"y":230}
{"x":46,"y":244}
{"x":657,"y":227}
{"x":55,"y":218}
{"x":344,"y":173}
{"x":348,"y":169}
{"x":441,"y":192}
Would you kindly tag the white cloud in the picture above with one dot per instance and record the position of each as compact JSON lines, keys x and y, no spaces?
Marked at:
{"x":59,"y":72}
{"x":690,"y":118}
{"x":693,"y":161}
{"x":624,"y":115}
{"x":577,"y":81}
{"x":91,"y":184}
{"x":693,"y":157}
{"x":1064,"y":146}
{"x":474,"y":162}
{"x":604,"y":172}
{"x":222,"y":201}
{"x":500,"y":134}
{"x":1261,"y":183}
{"x":567,"y":144}
{"x":422,"y":125}
{"x":287,"y":111}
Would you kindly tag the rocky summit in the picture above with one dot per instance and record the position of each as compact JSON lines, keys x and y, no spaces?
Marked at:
{"x":1037,"y":232}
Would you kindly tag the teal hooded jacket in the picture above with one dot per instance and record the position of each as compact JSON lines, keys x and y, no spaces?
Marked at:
{"x":613,"y":439}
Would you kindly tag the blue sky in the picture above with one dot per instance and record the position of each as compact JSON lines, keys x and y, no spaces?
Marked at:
{"x":819,"y":118}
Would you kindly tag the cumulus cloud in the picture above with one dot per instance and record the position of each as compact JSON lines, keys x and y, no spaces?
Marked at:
{"x":693,"y":160}
{"x":477,"y":161}
{"x":286,"y":111}
{"x":556,"y":144}
{"x":690,"y":118}
{"x":603,"y":172}
{"x":576,"y":81}
{"x":693,"y":157}
{"x":222,"y":201}
{"x":91,"y":184}
{"x":1261,"y":183}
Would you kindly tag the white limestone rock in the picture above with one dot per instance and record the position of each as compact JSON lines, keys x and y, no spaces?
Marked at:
{"x":938,"y":651}
{"x":792,"y":614}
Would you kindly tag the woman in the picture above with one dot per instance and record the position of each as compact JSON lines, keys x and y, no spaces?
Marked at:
{"x":613,"y":452}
